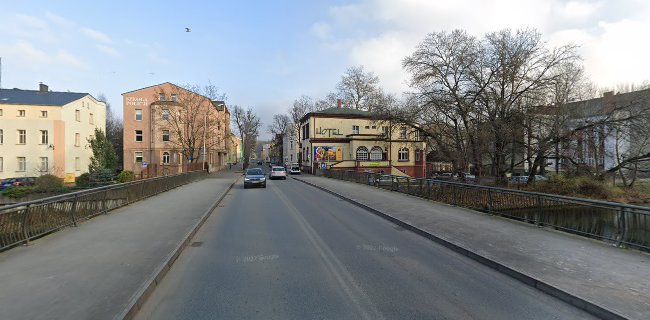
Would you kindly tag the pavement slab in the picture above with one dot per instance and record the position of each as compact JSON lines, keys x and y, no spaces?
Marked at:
{"x":615,"y":279}
{"x":93,"y":271}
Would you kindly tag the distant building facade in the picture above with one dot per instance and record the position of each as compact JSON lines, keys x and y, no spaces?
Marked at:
{"x":43,"y":131}
{"x":290,"y":150}
{"x":173,"y":130}
{"x":349,"y":139}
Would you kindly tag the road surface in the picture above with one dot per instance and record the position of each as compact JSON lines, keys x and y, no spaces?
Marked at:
{"x":293,"y":252}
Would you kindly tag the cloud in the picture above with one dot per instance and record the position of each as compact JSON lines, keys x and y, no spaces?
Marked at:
{"x":59,"y":20}
{"x":107,"y":50}
{"x":25,"y":53}
{"x":68,"y":59}
{"x":380,"y":33}
{"x":96,"y":35}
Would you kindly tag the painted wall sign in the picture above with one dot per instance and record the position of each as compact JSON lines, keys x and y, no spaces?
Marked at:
{"x":327,"y":153}
{"x":136,"y":101}
{"x":328,"y":132}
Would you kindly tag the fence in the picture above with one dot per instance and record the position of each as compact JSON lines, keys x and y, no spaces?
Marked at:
{"x":25,"y":221}
{"x":616,"y":223}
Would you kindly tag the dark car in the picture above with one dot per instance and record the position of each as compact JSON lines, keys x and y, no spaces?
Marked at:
{"x":254,"y":178}
{"x":259,"y":163}
{"x":24,"y":181}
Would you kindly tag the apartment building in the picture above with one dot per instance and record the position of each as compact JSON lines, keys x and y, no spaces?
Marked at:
{"x":290,"y":150}
{"x":170,"y":129}
{"x":43,"y":131}
{"x":349,"y":139}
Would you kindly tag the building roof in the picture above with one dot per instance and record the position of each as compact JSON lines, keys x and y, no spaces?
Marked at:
{"x":341,"y":113}
{"x":38,"y":98}
{"x":609,"y":101}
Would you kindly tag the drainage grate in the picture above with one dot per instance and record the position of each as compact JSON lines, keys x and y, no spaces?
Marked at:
{"x":196,"y":244}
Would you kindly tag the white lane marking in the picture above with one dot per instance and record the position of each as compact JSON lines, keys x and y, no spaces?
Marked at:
{"x":257,"y":258}
{"x":377,"y":248}
{"x":345,"y":280}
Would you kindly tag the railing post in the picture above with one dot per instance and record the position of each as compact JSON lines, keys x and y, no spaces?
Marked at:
{"x":622,"y":228}
{"x":540,"y":211}
{"x":429,"y":189}
{"x":142,"y":190}
{"x":73,"y":210}
{"x":25,"y":219}
{"x":455,"y":188}
{"x":420,"y":192}
{"x":490,"y":205}
{"x":104,"y":206}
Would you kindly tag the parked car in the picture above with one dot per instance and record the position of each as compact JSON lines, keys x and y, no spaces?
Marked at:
{"x":254,"y":178}
{"x":259,"y":163}
{"x":468,"y":176}
{"x":522,"y":179}
{"x":24,"y":181}
{"x":7,"y":183}
{"x":278,"y":173}
{"x":295,"y":169}
{"x":539,"y":177}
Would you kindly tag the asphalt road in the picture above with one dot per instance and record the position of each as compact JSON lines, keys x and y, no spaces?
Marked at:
{"x":293,"y":252}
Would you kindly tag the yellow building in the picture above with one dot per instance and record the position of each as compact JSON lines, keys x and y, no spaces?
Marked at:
{"x":42,"y":132}
{"x":349,"y":139}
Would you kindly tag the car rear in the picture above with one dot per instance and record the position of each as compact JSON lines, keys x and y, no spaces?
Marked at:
{"x":278,"y":173}
{"x":295,"y":169}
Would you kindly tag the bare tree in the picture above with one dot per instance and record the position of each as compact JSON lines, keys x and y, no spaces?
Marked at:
{"x":360,"y":89}
{"x":194,"y":119}
{"x":278,"y":128}
{"x":247,"y":124}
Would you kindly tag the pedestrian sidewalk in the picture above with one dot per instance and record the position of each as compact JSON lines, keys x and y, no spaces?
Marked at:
{"x":96,"y":270}
{"x":588,"y":273}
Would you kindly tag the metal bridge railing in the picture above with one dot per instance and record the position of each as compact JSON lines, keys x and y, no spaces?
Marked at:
{"x":25,"y":221}
{"x":616,"y":223}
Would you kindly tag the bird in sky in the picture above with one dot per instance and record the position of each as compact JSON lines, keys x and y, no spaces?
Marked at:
{"x":187,"y":30}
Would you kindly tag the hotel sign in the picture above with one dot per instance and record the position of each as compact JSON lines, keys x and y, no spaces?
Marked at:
{"x":328,"y":132}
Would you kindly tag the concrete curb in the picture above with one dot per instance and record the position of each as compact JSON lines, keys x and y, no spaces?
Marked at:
{"x":141,"y":296}
{"x":529,"y":280}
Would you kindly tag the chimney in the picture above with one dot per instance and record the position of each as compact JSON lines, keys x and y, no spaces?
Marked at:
{"x":338,"y":103}
{"x":42,"y":87}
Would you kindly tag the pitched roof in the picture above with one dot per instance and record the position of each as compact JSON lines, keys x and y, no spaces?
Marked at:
{"x":38,"y":98}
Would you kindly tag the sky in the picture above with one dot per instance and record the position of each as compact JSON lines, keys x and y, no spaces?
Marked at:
{"x":265,"y":54}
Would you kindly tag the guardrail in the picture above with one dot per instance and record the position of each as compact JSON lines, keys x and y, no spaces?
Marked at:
{"x":616,"y":223}
{"x":22,"y":222}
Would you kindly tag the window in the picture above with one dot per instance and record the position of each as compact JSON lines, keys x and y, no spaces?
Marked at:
{"x":77,"y":115}
{"x":376,"y":154}
{"x":91,"y":119}
{"x":174,"y":97}
{"x":367,"y":127}
{"x":176,"y":157}
{"x":138,"y":156}
{"x":21,"y":113}
{"x":417,"y":155}
{"x":44,"y":137}
{"x":138,"y":114}
{"x":2,"y":137}
{"x":138,"y":135}
{"x":43,"y":114}
{"x":22,"y":136}
{"x":77,"y":164}
{"x":0,"y":112}
{"x":402,"y":133}
{"x":44,"y":164}
{"x":161,"y":96}
{"x":385,"y":131}
{"x":165,"y":135}
{"x":22,"y":163}
{"x":403,"y":154}
{"x":165,"y":114}
{"x":355,"y":129}
{"x":362,"y":154}
{"x":77,"y":139}
{"x":165,"y":158}
{"x":417,"y":135}
{"x":1,"y":164}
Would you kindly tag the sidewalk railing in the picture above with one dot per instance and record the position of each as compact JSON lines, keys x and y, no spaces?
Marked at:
{"x":22,"y":222}
{"x":617,"y":223}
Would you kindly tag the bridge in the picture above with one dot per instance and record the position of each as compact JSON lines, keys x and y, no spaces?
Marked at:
{"x":338,"y":246}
